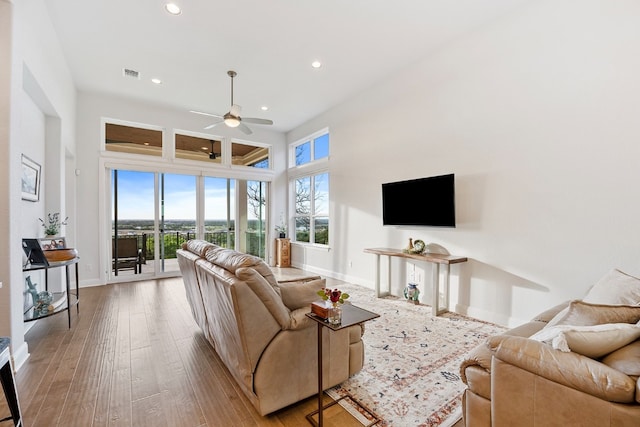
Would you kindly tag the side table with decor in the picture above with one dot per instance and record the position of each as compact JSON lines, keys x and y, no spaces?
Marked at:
{"x":351,"y":315}
{"x":43,"y":257}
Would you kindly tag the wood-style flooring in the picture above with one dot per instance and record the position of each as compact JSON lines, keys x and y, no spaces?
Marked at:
{"x":135,"y":357}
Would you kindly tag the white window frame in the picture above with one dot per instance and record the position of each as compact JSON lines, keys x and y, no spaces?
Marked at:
{"x":308,"y":170}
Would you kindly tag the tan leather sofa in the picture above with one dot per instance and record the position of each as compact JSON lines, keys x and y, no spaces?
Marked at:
{"x":513,"y":380}
{"x":259,"y":329}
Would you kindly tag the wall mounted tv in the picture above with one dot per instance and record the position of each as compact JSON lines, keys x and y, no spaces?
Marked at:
{"x":425,"y":202}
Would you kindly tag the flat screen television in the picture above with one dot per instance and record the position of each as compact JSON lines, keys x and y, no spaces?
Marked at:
{"x":424,"y":202}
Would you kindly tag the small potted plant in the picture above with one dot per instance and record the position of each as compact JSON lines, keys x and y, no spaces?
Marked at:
{"x":52,"y":224}
{"x":282,"y":230}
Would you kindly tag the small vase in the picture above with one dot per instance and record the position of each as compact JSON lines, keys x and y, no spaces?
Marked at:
{"x":412,"y":293}
{"x":44,"y":300}
{"x":335,"y":314}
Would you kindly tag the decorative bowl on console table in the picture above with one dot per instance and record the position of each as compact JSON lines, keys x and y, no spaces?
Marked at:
{"x":59,"y":255}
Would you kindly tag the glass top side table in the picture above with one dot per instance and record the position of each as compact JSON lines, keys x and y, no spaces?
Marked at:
{"x":351,"y":315}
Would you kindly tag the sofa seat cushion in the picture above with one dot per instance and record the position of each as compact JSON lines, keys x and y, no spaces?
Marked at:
{"x":625,"y":359}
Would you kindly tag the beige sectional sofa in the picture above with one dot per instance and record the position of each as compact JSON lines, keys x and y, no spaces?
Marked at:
{"x":259,"y":329}
{"x":576,"y":364}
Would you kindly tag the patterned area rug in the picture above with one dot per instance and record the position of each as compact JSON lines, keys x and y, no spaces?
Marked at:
{"x":411,"y":369}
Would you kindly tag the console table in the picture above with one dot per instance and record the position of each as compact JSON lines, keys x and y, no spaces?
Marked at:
{"x":71,"y":299}
{"x":437,"y":259}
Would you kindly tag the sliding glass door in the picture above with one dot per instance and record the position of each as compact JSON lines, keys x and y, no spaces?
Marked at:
{"x":219,"y":212}
{"x":132,"y":220}
{"x":153,"y":213}
{"x":177,"y":217}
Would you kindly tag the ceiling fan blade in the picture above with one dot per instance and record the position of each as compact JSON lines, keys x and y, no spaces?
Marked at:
{"x":214,"y":124}
{"x":205,"y":114}
{"x":235,"y":110}
{"x":244,"y":128}
{"x":257,"y":121}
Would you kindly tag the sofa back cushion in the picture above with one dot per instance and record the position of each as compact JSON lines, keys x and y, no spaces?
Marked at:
{"x":266,"y":293}
{"x":301,"y":294}
{"x":240,"y":324}
{"x":616,"y":287}
{"x":197,"y":247}
{"x":231,"y":260}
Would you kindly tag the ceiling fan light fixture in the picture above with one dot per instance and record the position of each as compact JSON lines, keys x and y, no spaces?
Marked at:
{"x":231,"y":120}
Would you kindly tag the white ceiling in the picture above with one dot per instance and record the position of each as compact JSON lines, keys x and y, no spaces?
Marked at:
{"x":269,"y":43}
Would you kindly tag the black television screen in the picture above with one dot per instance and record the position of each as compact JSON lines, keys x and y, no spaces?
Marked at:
{"x":424,"y":201}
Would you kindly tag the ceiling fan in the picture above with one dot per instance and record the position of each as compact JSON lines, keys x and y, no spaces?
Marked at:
{"x":213,"y":154}
{"x":232,"y":118}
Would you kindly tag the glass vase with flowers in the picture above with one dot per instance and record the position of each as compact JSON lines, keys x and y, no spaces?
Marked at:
{"x":336,"y":298}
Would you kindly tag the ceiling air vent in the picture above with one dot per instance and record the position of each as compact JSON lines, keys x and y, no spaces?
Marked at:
{"x":131,"y":73}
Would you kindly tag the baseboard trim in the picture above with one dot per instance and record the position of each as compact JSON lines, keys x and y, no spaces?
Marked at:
{"x":20,"y":355}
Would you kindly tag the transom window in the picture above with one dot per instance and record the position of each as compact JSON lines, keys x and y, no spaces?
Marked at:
{"x":313,"y":149}
{"x":133,"y":140}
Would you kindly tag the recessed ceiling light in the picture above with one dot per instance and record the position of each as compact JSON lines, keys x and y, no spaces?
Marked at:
{"x":316,"y":64}
{"x":173,"y":8}
{"x":264,"y":108}
{"x":204,"y":148}
{"x":156,"y":81}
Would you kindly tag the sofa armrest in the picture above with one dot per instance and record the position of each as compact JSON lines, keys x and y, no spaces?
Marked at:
{"x":299,"y":320}
{"x":480,"y":357}
{"x":569,"y":369}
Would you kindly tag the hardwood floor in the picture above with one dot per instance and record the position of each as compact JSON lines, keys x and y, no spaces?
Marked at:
{"x":135,"y":357}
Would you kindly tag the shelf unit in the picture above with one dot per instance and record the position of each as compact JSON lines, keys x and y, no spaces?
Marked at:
{"x":72,"y":299}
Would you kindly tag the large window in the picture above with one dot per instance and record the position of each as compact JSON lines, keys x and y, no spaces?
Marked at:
{"x":196,"y":186}
{"x":310,"y":189}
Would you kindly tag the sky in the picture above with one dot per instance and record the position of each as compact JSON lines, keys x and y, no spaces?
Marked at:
{"x":136,"y":196}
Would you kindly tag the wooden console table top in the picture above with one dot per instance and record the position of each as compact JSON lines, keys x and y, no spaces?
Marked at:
{"x":429,"y":257}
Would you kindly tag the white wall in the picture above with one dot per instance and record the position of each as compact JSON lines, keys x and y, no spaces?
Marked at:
{"x":536,"y":115}
{"x":41,"y":96}
{"x":92,"y":110}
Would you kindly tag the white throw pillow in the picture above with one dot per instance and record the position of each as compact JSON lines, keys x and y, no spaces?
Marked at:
{"x":615,"y":287}
{"x":591,"y":341}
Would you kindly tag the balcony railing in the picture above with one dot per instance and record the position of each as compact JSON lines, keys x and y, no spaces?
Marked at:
{"x":173,"y":240}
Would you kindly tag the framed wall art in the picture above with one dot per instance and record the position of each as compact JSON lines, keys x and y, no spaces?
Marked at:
{"x":31,"y":176}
